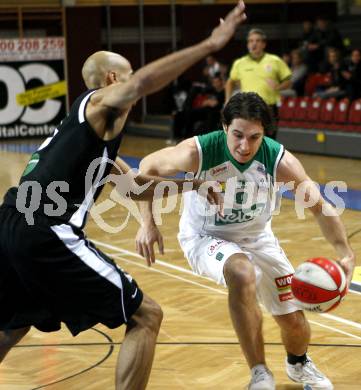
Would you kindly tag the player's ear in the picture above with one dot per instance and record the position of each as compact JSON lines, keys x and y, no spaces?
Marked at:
{"x":111,"y":78}
{"x":224,"y":128}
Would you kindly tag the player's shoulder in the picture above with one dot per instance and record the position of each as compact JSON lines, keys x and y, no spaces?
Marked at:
{"x":189,"y":145}
{"x":214,"y":138}
{"x":242,"y":60}
{"x":270,"y":154}
{"x":212,"y":149}
{"x":271,"y":143}
{"x":81,"y":101}
{"x":77,"y":113}
{"x":83,"y":95}
{"x":273,"y":57}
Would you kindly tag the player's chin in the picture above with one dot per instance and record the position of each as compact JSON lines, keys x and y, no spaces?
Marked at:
{"x":244,"y":158}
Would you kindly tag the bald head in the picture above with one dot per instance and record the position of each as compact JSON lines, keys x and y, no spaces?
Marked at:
{"x":105,"y":67}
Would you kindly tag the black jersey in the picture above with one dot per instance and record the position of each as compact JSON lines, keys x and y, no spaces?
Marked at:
{"x":70,"y":164}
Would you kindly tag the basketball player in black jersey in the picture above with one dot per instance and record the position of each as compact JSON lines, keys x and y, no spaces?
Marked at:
{"x":50,"y":272}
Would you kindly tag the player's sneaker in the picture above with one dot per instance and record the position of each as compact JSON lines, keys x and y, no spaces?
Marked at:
{"x":262,"y":379}
{"x":308,"y":375}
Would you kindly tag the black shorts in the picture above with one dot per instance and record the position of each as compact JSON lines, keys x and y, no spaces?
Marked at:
{"x":51,"y":274}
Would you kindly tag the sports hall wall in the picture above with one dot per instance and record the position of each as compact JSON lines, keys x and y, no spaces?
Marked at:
{"x":85,"y":29}
{"x":192,"y":26}
{"x":87,"y":26}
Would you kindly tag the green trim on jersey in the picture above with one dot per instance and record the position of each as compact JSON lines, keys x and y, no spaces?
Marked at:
{"x":214,"y":146}
{"x":33,"y":162}
{"x":215,"y":151}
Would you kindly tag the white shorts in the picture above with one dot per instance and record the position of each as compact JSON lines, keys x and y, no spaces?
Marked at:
{"x":207,"y":255}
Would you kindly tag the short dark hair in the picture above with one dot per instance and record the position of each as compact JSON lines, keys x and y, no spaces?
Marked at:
{"x":257,"y":31}
{"x":249,"y":106}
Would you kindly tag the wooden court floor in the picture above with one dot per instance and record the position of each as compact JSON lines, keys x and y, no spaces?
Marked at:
{"x":197,"y":348}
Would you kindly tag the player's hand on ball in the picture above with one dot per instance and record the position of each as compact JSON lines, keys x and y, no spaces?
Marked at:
{"x":348,"y":265}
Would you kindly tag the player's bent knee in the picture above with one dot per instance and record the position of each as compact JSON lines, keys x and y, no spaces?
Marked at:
{"x":239,"y":272}
{"x":149,"y":315}
{"x":295,"y":322}
{"x":155,"y":315}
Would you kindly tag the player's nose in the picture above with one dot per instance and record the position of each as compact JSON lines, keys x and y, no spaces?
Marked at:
{"x":244,"y":145}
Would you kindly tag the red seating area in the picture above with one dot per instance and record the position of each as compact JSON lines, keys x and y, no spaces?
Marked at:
{"x":315,"y":80}
{"x":316,"y":113}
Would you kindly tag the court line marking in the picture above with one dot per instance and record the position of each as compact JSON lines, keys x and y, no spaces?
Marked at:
{"x":168,"y":274}
{"x":354,"y":292}
{"x":99,"y":344}
{"x":160,"y":262}
{"x":335,"y":329}
{"x":185,"y":270}
{"x":342,"y":320}
{"x":119,"y":257}
{"x":181,"y":269}
{"x":95,"y":365}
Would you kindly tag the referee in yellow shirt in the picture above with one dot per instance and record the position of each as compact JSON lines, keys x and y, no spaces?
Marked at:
{"x":260,"y":72}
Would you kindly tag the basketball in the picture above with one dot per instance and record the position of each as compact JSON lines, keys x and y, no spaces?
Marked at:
{"x":319,"y":285}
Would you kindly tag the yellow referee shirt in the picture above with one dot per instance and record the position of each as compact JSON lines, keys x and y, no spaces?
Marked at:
{"x":253,"y":74}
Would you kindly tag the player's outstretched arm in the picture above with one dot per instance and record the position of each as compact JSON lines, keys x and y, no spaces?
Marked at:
{"x":165,"y":162}
{"x":308,"y":195}
{"x":169,"y":161}
{"x":140,"y":186}
{"x":129,"y":183}
{"x":143,"y":186}
{"x":158,"y":74}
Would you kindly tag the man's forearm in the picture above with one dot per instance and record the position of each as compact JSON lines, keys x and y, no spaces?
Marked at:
{"x":146,"y":199}
{"x":146,"y":211}
{"x":160,"y":73}
{"x":229,"y":89}
{"x":157,"y":74}
{"x":154,"y":183}
{"x":143,"y":187}
{"x":334,"y":230}
{"x":286,"y":84}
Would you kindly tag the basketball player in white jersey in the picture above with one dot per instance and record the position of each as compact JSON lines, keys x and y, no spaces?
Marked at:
{"x":50,"y":272}
{"x":238,"y":249}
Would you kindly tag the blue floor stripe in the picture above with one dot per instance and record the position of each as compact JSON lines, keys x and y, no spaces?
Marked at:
{"x":29,"y":148}
{"x":131,"y":161}
{"x":352,"y":198}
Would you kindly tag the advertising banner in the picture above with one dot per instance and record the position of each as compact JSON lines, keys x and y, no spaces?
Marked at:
{"x":32,"y":86}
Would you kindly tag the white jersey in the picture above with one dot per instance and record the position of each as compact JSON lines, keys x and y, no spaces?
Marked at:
{"x":249,"y":190}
